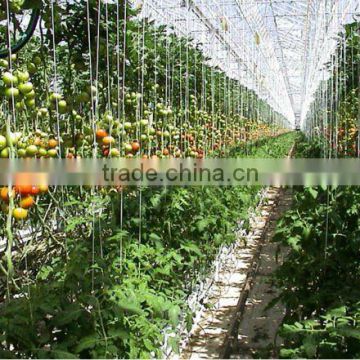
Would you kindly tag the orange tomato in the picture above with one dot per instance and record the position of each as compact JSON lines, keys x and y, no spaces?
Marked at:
{"x":108,"y":140}
{"x":37,"y":141}
{"x":27,"y":202}
{"x":4,"y":194}
{"x":101,"y":133}
{"x":135,"y":146}
{"x":52,"y":143}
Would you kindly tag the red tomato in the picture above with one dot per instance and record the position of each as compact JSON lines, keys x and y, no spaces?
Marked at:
{"x":35,"y":190}
{"x":23,"y":189}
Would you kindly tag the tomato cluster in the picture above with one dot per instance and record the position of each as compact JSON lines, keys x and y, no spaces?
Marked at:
{"x":25,"y":195}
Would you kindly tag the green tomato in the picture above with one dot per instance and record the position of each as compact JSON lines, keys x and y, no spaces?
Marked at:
{"x":43,"y":152}
{"x":43,"y":112}
{"x":32,"y":150}
{"x":84,"y":97}
{"x":127,"y":125}
{"x":3,"y":142}
{"x":21,"y":153}
{"x":55,"y":97}
{"x":21,"y":145}
{"x":30,"y":95}
{"x":62,"y":106}
{"x":20,"y":105}
{"x":108,"y":118}
{"x":5,"y":153}
{"x":31,"y":68}
{"x":26,"y":87}
{"x":4,"y":63}
{"x":37,"y":60}
{"x":9,"y":79}
{"x":114,"y":153}
{"x":30,"y":103}
{"x":12,"y":93}
{"x":52,"y":153}
{"x":128,"y":148}
{"x":23,"y":76}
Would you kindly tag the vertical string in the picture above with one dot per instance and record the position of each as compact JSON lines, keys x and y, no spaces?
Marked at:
{"x":92,"y":109}
{"x":55,"y":75}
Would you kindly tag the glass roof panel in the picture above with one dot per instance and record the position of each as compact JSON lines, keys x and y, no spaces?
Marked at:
{"x":275,"y":47}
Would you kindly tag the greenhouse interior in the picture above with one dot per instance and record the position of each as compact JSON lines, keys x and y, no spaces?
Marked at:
{"x":262,"y":266}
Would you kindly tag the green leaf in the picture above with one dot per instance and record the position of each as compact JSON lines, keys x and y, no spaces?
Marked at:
{"x":119,"y":333}
{"x":154,"y":237}
{"x":313,"y":192}
{"x":202,"y":224}
{"x":310,"y":346}
{"x":294,"y":243}
{"x":174,"y":315}
{"x":58,"y":354}
{"x":174,"y":344}
{"x":55,"y":354}
{"x":148,"y":345}
{"x":337,"y":312}
{"x":32,"y":4}
{"x":44,"y":272}
{"x":191,"y":248}
{"x":130,"y":307}
{"x":87,"y":342}
{"x":155,"y":200}
{"x":348,"y":331}
{"x":72,"y":313}
{"x":289,"y":353}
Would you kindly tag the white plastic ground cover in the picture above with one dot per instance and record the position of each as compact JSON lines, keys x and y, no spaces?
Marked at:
{"x":203,"y":290}
{"x":26,"y":235}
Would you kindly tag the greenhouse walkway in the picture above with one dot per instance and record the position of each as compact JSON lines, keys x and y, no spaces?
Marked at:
{"x":235,"y":318}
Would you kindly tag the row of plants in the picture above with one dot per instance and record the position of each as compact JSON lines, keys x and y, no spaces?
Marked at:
{"x":161,"y":99}
{"x":319,"y":281}
{"x":334,"y":114}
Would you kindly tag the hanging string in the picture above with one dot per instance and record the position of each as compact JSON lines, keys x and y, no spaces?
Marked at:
{"x":118,"y":62}
{"x":8,"y":23}
{"x":97,"y":61}
{"x":55,"y":75}
{"x":123,"y":115}
{"x":109,"y":83}
{"x":9,"y":233}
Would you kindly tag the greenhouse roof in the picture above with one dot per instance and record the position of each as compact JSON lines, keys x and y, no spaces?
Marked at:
{"x":276,"y":47}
